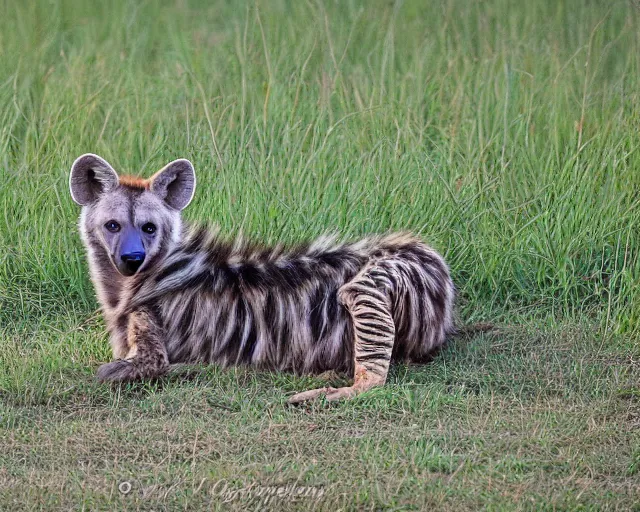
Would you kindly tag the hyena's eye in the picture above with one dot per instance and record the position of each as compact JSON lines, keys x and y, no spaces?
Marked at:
{"x":112,"y":226}
{"x":149,"y":228}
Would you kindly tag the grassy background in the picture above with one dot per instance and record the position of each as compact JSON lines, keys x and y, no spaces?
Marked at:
{"x":504,"y":132}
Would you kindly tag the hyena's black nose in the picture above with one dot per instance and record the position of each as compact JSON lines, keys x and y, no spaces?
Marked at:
{"x":132,"y":261}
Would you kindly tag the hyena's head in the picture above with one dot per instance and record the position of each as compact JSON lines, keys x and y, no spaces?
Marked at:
{"x":133,"y":222}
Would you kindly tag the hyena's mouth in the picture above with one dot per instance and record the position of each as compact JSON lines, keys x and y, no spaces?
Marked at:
{"x":130,"y":263}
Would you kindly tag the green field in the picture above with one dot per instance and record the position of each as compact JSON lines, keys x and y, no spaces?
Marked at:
{"x":506,"y":133}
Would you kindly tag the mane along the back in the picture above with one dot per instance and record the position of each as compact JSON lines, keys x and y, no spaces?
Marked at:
{"x":234,"y":302}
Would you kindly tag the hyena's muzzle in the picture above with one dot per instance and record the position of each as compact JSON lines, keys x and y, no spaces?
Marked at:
{"x":132,"y":253}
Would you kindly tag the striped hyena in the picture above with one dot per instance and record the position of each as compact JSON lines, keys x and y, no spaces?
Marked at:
{"x":183,"y":295}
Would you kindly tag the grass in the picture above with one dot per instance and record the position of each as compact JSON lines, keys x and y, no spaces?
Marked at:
{"x":505,"y":133}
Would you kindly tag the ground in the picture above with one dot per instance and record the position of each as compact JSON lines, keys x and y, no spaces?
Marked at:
{"x":504,"y":133}
{"x":534,"y":417}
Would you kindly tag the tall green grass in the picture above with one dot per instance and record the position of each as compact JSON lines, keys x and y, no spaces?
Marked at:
{"x":504,"y":132}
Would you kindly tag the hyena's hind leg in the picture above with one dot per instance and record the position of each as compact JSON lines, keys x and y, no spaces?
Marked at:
{"x":147,"y":356}
{"x":367,"y":298}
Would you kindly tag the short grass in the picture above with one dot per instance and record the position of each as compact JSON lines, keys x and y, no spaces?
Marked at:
{"x":506,"y":133}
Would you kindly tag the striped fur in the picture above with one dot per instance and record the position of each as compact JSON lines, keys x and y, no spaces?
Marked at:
{"x":310,"y":308}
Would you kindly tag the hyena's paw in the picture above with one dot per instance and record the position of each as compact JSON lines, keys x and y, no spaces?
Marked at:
{"x":305,"y":396}
{"x":118,"y":371}
{"x":330,"y":394}
{"x":341,"y":393}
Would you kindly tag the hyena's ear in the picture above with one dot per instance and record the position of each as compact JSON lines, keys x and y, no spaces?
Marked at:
{"x":90,"y":177}
{"x":175,"y":183}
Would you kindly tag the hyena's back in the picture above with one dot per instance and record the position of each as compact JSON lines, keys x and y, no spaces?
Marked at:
{"x":234,"y":303}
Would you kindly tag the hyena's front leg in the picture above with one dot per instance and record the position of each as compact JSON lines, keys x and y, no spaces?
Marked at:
{"x":147,"y":356}
{"x":367,"y":298}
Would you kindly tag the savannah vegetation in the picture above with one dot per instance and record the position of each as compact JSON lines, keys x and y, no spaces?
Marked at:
{"x":505,"y":133}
